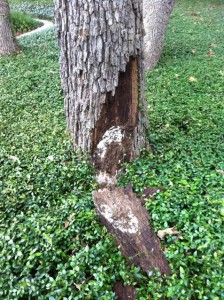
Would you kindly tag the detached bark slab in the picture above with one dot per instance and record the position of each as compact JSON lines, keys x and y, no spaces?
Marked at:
{"x":124,"y":216}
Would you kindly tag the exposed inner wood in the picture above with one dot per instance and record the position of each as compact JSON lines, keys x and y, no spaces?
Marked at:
{"x":120,"y":110}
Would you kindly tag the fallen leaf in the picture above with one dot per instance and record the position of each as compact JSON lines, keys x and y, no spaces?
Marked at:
{"x":194,"y":14}
{"x":50,"y":157}
{"x":210,"y":53}
{"x":14,"y":158}
{"x":192,"y":79}
{"x":78,"y":286}
{"x":66,"y":224}
{"x":220,"y":171}
{"x":169,"y":231}
{"x":70,"y":218}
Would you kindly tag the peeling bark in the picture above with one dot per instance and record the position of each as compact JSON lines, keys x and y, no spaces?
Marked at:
{"x":8,"y":43}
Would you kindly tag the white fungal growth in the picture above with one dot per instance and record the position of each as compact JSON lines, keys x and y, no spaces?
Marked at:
{"x":125,"y":223}
{"x":105,"y":178}
{"x":114,"y":134}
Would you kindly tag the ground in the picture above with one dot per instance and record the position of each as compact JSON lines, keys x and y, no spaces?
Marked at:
{"x":52,"y":245}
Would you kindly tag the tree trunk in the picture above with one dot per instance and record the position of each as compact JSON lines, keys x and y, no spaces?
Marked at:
{"x":102,"y":75}
{"x":156,"y":15}
{"x":8,"y":43}
{"x":102,"y":78}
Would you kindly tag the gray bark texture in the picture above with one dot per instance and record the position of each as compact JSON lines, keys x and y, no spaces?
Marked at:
{"x":8,"y":43}
{"x":156,"y":15}
{"x":102,"y":77}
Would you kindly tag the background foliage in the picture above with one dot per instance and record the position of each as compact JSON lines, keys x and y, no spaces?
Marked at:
{"x":43,"y":9}
{"x":52,"y":245}
{"x":22,"y":22}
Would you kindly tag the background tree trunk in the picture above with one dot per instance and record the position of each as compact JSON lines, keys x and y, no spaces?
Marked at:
{"x":8,"y":43}
{"x":102,"y":77}
{"x":156,"y":15}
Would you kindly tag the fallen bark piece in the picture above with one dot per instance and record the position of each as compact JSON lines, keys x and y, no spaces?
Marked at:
{"x":124,"y":216}
{"x":169,"y":231}
{"x":125,"y":292}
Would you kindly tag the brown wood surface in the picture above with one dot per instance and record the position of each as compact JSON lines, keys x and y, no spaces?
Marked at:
{"x":124,"y":216}
{"x":126,"y":292}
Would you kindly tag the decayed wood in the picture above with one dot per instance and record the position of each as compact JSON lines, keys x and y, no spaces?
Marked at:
{"x":125,"y":292}
{"x":156,"y":15}
{"x":124,"y":216}
{"x":8,"y":43}
{"x":114,"y":131}
{"x":102,"y":77}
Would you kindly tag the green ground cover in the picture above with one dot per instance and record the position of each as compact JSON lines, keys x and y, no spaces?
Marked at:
{"x":43,"y":9}
{"x":52,"y":245}
{"x":22,"y":22}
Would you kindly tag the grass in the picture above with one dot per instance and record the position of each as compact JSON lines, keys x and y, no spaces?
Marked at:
{"x":23,"y":23}
{"x":52,"y":245}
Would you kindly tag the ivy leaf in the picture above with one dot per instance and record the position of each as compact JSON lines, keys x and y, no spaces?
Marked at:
{"x":182,"y":272}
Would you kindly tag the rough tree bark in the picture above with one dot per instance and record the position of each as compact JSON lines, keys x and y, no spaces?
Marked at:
{"x":156,"y":15}
{"x":102,"y":77}
{"x":8,"y":43}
